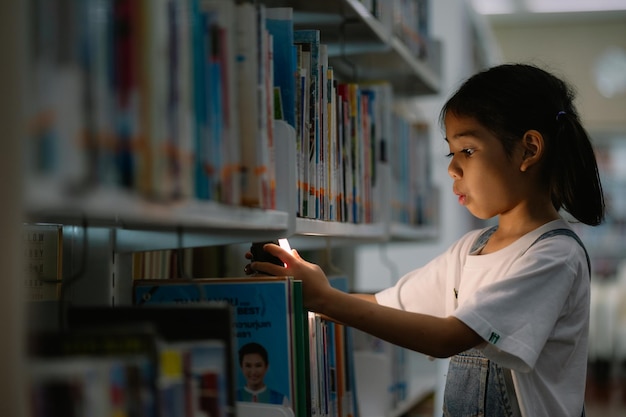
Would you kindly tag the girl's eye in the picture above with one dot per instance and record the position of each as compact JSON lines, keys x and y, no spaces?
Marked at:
{"x":466,"y":151}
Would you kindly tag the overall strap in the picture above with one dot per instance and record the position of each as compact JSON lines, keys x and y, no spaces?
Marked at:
{"x":567,"y":232}
{"x":482,"y":239}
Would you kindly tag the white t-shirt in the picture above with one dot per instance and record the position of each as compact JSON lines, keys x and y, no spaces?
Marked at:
{"x":530,"y":304}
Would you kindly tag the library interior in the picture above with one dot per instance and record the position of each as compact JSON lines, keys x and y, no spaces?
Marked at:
{"x":153,"y":147}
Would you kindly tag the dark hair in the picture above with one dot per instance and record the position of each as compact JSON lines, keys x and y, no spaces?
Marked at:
{"x":253,"y":348}
{"x":511,"y":99}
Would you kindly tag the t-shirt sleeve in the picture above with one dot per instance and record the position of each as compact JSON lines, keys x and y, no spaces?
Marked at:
{"x":419,"y":291}
{"x":518,"y":314}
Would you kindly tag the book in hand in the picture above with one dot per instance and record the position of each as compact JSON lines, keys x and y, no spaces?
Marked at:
{"x":269,"y":327}
{"x":260,"y":255}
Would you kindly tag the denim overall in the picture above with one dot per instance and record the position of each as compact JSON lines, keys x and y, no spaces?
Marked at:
{"x":476,"y":386}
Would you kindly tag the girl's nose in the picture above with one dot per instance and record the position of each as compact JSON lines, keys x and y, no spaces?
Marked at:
{"x":454,"y":170}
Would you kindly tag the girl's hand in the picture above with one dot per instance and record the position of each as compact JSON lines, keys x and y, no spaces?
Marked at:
{"x":315,"y":286}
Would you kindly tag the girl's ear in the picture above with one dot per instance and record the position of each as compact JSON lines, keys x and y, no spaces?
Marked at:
{"x":532,"y":149}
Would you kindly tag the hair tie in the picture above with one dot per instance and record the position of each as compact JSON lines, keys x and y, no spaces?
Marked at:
{"x":559,"y":114}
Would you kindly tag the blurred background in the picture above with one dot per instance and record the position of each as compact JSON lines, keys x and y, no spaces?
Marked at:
{"x":584,"y":42}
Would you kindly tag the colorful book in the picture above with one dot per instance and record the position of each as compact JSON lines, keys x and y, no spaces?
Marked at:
{"x":266,"y":153}
{"x":321,"y":157}
{"x":126,"y":67}
{"x":99,"y":97}
{"x":54,"y":151}
{"x":224,"y":48}
{"x":303,"y":137}
{"x":347,"y":96}
{"x":248,"y":101}
{"x":149,"y":74}
{"x":201,"y":39}
{"x":178,"y":151}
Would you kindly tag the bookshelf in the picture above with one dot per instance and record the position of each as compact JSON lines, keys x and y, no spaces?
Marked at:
{"x":104,"y":225}
{"x":364,"y":46}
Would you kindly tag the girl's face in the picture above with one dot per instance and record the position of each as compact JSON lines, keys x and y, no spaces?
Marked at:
{"x":486,"y":180}
{"x":254,"y":368}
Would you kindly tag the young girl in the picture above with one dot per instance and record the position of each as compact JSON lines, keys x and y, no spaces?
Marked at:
{"x":509,"y":304}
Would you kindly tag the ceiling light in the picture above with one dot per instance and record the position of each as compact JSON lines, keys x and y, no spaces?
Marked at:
{"x":494,"y":7}
{"x":560,"y":6}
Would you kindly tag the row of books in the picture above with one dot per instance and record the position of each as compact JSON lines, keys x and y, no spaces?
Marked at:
{"x":171,"y":99}
{"x":178,"y":99}
{"x":286,"y":357}
{"x":160,"y":362}
{"x":414,"y":199}
{"x":196,"y":348}
{"x":183,"y":263}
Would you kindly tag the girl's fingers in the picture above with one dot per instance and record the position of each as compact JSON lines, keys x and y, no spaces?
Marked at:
{"x":269,"y":268}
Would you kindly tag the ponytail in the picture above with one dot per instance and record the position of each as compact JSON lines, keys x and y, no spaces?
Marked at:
{"x":575,"y":181}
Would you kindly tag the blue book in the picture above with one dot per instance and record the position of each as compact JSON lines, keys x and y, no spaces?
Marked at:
{"x":279,"y":23}
{"x":214,"y":108}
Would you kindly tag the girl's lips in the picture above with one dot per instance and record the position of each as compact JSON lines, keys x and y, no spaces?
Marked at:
{"x":462,"y":198}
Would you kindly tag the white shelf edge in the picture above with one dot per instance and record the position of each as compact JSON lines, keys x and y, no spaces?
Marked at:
{"x":125,"y":209}
{"x":409,"y":232}
{"x":312,"y":227}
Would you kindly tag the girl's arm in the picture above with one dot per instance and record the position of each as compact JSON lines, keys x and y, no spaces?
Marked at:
{"x":367,"y":297}
{"x":434,"y":336}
